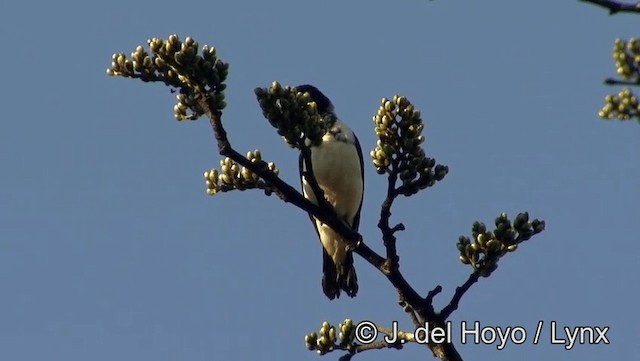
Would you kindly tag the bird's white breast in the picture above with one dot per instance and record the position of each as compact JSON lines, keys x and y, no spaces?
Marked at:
{"x":336,"y":166}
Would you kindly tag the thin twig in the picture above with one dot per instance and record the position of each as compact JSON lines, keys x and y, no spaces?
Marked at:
{"x":433,"y":293}
{"x":388,"y":237}
{"x":615,"y":6}
{"x":377,"y":345}
{"x":457,"y":296}
{"x":612,"y":81}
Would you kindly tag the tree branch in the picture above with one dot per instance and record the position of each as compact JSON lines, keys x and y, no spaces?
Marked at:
{"x":377,"y":345}
{"x":291,"y":195}
{"x":615,"y":6}
{"x":388,"y":237}
{"x":612,"y":81}
{"x":457,"y":296}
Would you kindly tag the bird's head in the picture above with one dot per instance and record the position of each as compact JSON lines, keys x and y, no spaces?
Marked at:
{"x":324,"y":104}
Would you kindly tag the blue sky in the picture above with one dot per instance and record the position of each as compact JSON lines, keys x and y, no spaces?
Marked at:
{"x":110,"y":248}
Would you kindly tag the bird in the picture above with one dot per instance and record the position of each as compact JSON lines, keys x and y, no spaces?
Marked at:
{"x":337,"y":166}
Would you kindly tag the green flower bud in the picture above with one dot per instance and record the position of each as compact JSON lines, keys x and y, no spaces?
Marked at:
{"x":493,"y":246}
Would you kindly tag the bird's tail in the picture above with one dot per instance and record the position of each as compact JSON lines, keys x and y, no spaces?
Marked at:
{"x":338,"y":277}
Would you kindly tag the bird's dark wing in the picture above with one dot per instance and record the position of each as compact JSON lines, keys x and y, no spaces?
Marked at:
{"x":356,"y":219}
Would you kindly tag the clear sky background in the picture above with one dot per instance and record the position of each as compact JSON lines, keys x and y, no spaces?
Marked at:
{"x":111,"y":250}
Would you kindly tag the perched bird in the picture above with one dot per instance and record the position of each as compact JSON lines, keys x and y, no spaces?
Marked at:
{"x":337,"y":166}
